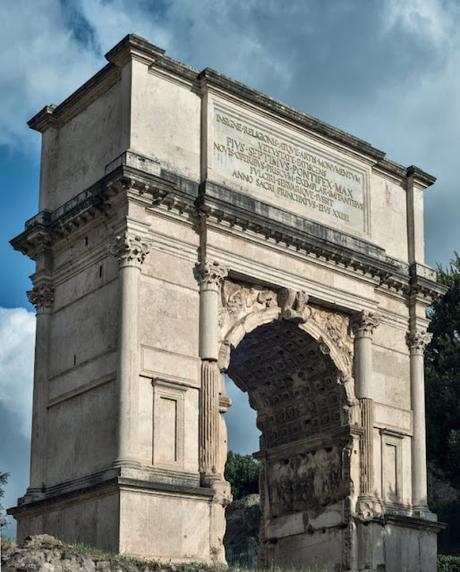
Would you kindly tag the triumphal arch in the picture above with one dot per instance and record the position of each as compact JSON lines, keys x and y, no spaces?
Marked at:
{"x":190,"y":227}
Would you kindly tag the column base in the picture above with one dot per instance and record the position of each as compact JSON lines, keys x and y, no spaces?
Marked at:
{"x":126,"y":462}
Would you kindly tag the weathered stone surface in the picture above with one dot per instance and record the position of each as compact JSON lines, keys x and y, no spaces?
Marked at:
{"x":248,"y":238}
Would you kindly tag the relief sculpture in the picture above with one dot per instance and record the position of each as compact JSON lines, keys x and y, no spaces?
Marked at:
{"x":307,"y":481}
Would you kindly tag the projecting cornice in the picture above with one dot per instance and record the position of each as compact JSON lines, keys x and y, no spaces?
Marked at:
{"x":223,"y":206}
{"x":136,"y":47}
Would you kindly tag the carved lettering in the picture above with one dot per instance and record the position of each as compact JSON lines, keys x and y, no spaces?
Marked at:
{"x":285,"y":169}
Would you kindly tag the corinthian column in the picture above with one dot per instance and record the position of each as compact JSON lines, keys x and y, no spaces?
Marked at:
{"x":417,"y":342}
{"x":210,"y":276}
{"x":363,"y":326}
{"x":42,"y":297}
{"x":131,"y":251}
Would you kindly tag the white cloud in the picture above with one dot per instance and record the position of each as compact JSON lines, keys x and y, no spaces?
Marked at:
{"x":42,"y":62}
{"x":428,"y":19}
{"x":17,"y":335}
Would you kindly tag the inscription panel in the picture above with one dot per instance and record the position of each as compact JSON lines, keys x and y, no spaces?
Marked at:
{"x":287,"y":169}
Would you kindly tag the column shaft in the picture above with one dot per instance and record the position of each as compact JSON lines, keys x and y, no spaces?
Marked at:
{"x":209,"y":417}
{"x":211,"y":276}
{"x":363,"y":325}
{"x":128,"y":366}
{"x":417,"y":342}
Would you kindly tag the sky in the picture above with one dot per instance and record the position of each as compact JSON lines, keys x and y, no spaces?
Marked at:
{"x":387,"y":71}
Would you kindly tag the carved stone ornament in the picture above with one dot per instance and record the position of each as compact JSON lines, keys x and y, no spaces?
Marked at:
{"x":418,"y":340}
{"x":130,"y":249}
{"x":210,"y":273}
{"x":368,"y":508}
{"x":41,"y":296}
{"x":292,"y":304}
{"x":364,"y":323}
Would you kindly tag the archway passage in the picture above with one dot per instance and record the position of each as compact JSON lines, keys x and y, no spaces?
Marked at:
{"x":304,"y":419}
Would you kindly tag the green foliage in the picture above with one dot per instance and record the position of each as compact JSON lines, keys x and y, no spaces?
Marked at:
{"x":443,"y":375}
{"x":448,"y":563}
{"x":242,"y":472}
{"x":3,"y":481}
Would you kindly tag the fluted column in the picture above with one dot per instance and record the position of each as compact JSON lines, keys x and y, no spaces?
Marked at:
{"x":363,"y":325}
{"x":42,"y":297}
{"x":210,"y":276}
{"x":131,"y":251}
{"x":417,"y":342}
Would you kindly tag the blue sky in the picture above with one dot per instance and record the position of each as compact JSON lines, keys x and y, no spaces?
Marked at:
{"x":384,"y":70}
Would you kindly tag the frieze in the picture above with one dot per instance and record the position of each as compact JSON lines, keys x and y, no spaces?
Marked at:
{"x":307,"y":481}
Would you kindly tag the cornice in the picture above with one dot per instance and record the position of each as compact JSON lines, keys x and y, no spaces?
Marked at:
{"x":423,"y":285}
{"x":138,"y":48}
{"x":420,"y":177}
{"x":168,"y":191}
{"x":54,"y":116}
{"x":47,"y":227}
{"x":223,"y":204}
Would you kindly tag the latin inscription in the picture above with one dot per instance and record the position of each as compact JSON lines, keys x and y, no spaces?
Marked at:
{"x":286,"y":171}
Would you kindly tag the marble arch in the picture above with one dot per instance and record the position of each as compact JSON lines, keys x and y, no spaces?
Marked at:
{"x":185,"y":224}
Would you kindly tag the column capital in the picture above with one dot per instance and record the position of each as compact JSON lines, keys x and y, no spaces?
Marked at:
{"x":41,"y":296}
{"x":418,"y":340}
{"x":364,"y":323}
{"x":130,"y":249}
{"x":210,"y":273}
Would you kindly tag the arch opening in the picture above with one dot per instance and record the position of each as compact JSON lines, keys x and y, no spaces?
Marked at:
{"x":304,"y":416}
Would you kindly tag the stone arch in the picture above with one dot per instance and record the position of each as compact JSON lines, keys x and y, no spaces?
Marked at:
{"x":257,"y":306}
{"x":295,"y":363}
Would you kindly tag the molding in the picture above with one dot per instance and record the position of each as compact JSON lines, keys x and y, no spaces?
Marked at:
{"x":221,"y":206}
{"x":81,"y":389}
{"x":55,"y":116}
{"x":133,"y":47}
{"x":105,"y":483}
{"x":414,"y":522}
{"x":82,"y":364}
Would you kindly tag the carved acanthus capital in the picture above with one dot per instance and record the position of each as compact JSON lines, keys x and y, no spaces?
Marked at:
{"x":210,"y":273}
{"x":418,"y":341}
{"x":364,"y":323}
{"x":41,"y":296}
{"x":292,"y":304}
{"x":130,"y":249}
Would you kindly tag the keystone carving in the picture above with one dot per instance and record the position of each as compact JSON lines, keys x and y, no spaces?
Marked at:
{"x":292,"y":304}
{"x":418,"y":341}
{"x":130,"y":249}
{"x":364,"y":323}
{"x":41,"y":296}
{"x":210,"y":273}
